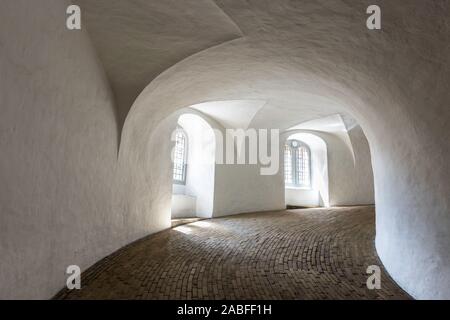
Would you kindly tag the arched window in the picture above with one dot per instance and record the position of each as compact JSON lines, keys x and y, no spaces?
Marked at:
{"x":180,"y":157}
{"x":297,"y":164}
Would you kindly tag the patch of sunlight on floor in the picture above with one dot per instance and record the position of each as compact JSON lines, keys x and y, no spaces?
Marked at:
{"x":183,"y":229}
{"x":203,"y":224}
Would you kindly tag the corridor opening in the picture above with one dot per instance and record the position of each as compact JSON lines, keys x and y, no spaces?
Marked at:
{"x":193,"y":158}
{"x":305,"y":171}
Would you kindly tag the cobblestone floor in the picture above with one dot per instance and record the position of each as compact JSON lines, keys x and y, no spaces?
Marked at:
{"x":292,"y":254}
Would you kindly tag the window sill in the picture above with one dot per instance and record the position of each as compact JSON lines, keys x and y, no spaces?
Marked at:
{"x":299,"y":188}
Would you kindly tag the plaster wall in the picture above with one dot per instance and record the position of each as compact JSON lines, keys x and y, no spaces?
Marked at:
{"x":350,"y":171}
{"x":178,"y":189}
{"x":302,"y":197}
{"x":241,"y":188}
{"x":183,"y":206}
{"x":58,"y":201}
{"x":361,"y":189}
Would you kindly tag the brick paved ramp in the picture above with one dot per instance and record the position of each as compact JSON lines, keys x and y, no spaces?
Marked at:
{"x":294,"y":254}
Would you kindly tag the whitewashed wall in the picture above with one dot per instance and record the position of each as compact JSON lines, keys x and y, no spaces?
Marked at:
{"x":58,"y":200}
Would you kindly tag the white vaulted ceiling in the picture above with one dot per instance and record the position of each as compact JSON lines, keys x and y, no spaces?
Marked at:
{"x":139,"y":39}
{"x":331,"y":124}
{"x":235,"y":114}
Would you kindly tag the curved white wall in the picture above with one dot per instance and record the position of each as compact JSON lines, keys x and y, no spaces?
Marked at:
{"x":362,"y":180}
{"x":58,"y":199}
{"x":350,"y":169}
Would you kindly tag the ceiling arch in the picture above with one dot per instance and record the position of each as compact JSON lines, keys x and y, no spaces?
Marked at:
{"x":139,"y":39}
